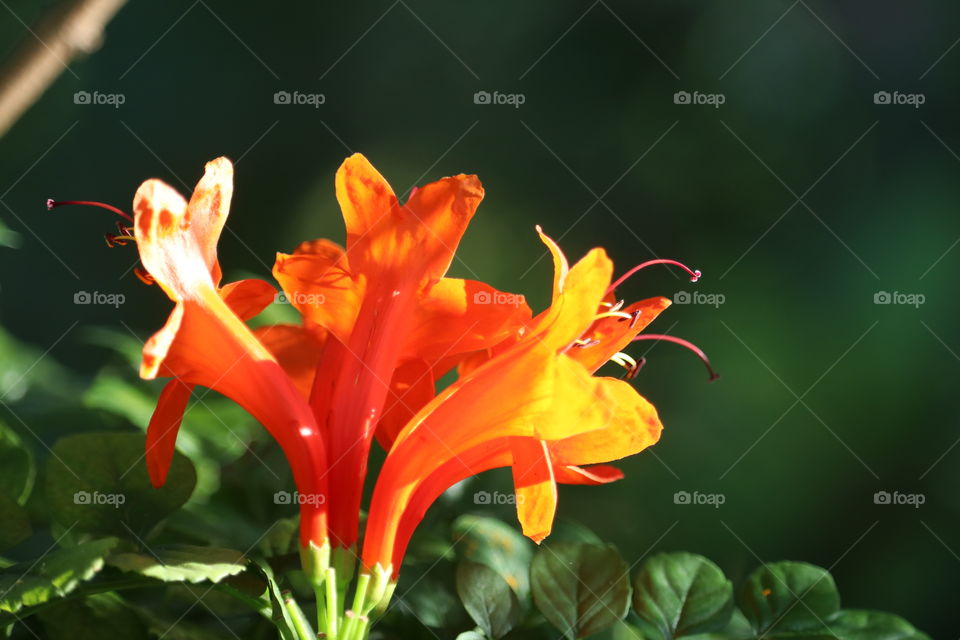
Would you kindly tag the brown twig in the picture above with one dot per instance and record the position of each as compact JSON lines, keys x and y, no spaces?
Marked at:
{"x":72,"y":29}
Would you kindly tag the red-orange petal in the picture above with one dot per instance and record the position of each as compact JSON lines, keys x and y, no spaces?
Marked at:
{"x":163,"y":429}
{"x":536,"y":490}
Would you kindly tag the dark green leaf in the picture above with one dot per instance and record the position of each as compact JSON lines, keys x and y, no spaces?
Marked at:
{"x":98,"y":617}
{"x":182,"y":563}
{"x":17,"y":468}
{"x":52,"y":576}
{"x":14,"y":523}
{"x":682,"y":594}
{"x":580,"y":588}
{"x":789,"y":597}
{"x":873,"y":625}
{"x":98,"y":483}
{"x":493,"y":543}
{"x":488,"y":599}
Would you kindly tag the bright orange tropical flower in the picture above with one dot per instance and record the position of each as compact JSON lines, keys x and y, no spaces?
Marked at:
{"x":534,"y":406}
{"x":206,"y":342}
{"x":381,"y":322}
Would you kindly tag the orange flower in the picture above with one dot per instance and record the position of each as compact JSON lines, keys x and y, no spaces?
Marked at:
{"x":206,"y":342}
{"x":534,"y":406}
{"x":381,"y":320}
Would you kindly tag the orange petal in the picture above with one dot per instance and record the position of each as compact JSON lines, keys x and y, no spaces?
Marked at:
{"x":247,"y":298}
{"x":364,"y":195}
{"x":208,"y":209}
{"x":633,"y":426}
{"x":297,"y":349}
{"x":440,"y":214}
{"x":411,"y":388}
{"x":163,"y":429}
{"x":592,"y":475}
{"x":317,"y":281}
{"x":457,"y":316}
{"x":536,"y":490}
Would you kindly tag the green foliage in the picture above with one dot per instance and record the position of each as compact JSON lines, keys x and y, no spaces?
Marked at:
{"x":182,"y":563}
{"x":789,"y":597}
{"x":488,"y":599}
{"x":98,"y":483}
{"x":497,"y":545}
{"x":17,"y":468}
{"x":682,"y":594}
{"x":54,"y":575}
{"x":98,"y":617}
{"x":580,"y":588}
{"x":16,"y":523}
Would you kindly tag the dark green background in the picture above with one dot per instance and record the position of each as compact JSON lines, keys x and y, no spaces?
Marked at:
{"x":598,"y":154}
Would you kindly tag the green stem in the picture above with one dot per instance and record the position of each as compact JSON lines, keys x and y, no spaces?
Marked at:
{"x":333,"y":607}
{"x":300,"y":623}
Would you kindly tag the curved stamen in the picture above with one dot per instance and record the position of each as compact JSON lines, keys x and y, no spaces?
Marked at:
{"x":144,"y":275}
{"x":683,"y":343}
{"x":694,"y":273}
{"x":613,"y":314}
{"x":52,"y":204}
{"x":627,"y":362}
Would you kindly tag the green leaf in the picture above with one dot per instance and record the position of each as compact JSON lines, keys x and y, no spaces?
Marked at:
{"x":580,"y":588}
{"x":8,"y":237}
{"x":98,"y":617}
{"x":682,"y":594}
{"x":17,"y":469}
{"x":471,"y":635}
{"x":873,"y":625}
{"x":789,"y":597}
{"x":488,"y":599}
{"x":54,"y":575}
{"x":15,"y":527}
{"x":493,"y":543}
{"x":182,"y":563}
{"x":98,"y":483}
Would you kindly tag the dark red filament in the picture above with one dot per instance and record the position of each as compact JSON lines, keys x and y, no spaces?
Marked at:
{"x":683,"y":343}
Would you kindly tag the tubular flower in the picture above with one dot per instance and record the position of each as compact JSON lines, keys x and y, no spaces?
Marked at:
{"x":532,"y":405}
{"x":388,"y":320}
{"x":206,"y":342}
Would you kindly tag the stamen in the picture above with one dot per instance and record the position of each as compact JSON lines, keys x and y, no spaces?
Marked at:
{"x":585,"y":342}
{"x":613,"y":307}
{"x":627,"y":362}
{"x":613,"y":314}
{"x":683,"y":343}
{"x":694,"y":274}
{"x":144,"y":276}
{"x":52,"y":204}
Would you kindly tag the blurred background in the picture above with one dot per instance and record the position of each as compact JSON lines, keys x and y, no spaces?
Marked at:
{"x":803,"y":155}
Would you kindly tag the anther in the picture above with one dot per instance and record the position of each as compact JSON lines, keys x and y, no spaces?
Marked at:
{"x":144,"y":276}
{"x":683,"y":343}
{"x":694,"y":274}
